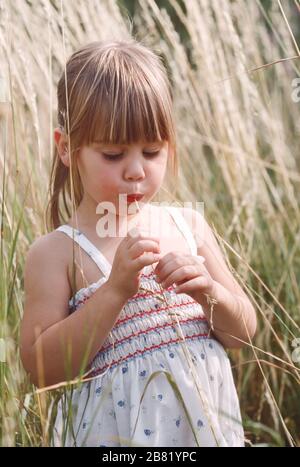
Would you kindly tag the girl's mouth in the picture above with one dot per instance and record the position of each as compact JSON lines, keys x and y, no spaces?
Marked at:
{"x":134,"y":197}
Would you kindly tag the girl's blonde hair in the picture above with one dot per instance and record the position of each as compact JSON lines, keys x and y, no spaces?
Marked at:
{"x":117,"y":92}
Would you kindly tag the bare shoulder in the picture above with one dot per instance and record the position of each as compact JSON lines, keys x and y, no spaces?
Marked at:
{"x":47,"y":253}
{"x":46,"y":287}
{"x":203,"y":233}
{"x":47,"y":260}
{"x":51,"y":244}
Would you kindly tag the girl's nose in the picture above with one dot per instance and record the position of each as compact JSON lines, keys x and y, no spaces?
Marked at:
{"x":135,"y":171}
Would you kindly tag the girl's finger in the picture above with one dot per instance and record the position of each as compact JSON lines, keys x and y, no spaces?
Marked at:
{"x":145,"y":260}
{"x":142,"y":246}
{"x":136,"y":234}
{"x":199,"y":283}
{"x":183,"y":273}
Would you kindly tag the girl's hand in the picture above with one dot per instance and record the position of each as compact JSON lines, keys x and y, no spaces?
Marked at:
{"x":135,"y":251}
{"x":187,"y":272}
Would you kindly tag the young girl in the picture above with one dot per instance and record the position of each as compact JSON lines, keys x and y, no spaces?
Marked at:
{"x":142,"y":314}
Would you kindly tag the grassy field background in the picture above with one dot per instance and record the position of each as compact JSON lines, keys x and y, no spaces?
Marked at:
{"x":235,"y":71}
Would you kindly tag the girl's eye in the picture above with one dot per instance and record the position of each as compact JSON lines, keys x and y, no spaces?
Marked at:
{"x":112,"y":157}
{"x":151,"y":154}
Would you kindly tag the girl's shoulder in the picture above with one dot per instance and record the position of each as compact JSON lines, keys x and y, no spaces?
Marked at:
{"x":193,"y":218}
{"x":58,"y":249}
{"x":52,"y":244}
{"x":48,"y":254}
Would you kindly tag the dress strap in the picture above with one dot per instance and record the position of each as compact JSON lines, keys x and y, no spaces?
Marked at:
{"x":88,"y":247}
{"x":183,"y":227}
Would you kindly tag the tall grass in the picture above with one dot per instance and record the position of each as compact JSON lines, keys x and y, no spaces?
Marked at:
{"x":238,"y":143}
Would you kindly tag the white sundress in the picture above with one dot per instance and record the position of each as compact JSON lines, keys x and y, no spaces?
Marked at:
{"x":142,"y":391}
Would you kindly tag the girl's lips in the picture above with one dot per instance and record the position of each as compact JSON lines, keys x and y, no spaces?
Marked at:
{"x":134,"y":197}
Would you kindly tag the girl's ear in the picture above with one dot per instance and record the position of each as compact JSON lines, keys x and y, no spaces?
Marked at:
{"x":61,"y":143}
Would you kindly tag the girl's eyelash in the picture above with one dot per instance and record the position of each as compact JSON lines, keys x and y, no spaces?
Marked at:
{"x":151,"y":153}
{"x":117,"y":156}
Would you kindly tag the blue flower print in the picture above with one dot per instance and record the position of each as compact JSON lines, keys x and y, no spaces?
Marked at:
{"x":148,"y":432}
{"x":171,"y":355}
{"x":200,"y":424}
{"x":194,"y":359}
{"x":124,"y":369}
{"x":143,"y":373}
{"x":121,"y":403}
{"x":177,"y":421}
{"x":161,"y":365}
{"x":210,"y":345}
{"x":157,"y":397}
{"x":202,"y":356}
{"x":98,"y":390}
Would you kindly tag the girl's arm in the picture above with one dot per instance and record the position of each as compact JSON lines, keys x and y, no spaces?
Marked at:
{"x":48,"y":333}
{"x":234,"y":314}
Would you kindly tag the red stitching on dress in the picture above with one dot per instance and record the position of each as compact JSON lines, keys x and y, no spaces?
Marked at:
{"x":156,"y":310}
{"x":80,"y":301}
{"x":116,"y":362}
{"x":150,"y":294}
{"x":139,"y":333}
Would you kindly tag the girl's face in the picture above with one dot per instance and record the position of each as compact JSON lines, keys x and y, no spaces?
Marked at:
{"x":109,"y":170}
